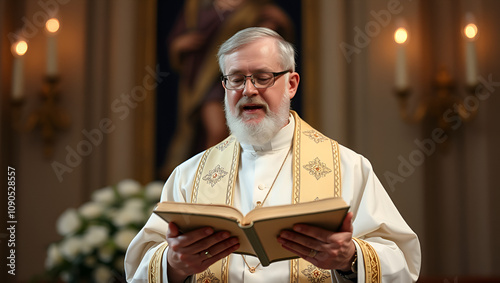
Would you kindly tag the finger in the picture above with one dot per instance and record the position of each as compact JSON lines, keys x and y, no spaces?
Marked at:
{"x":221,"y":247}
{"x":189,"y":238}
{"x":302,"y":244}
{"x":173,"y":230}
{"x":347,"y":224}
{"x":314,"y":232}
{"x":206,"y":243}
{"x":295,"y":248}
{"x":211,"y":260}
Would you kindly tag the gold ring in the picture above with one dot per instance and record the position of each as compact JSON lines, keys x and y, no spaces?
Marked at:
{"x":312,"y":253}
{"x":207,"y":253}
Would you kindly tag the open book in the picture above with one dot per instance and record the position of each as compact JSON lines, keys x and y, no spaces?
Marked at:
{"x":258,"y":230}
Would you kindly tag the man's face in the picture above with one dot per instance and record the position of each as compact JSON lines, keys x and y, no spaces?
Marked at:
{"x":259,"y":56}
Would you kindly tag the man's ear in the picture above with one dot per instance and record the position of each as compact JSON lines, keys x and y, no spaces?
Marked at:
{"x":293,"y":83}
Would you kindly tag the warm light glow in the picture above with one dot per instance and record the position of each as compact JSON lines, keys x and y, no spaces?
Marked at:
{"x":52,"y":25}
{"x":400,"y":36}
{"x":470,"y":31}
{"x":20,"y":48}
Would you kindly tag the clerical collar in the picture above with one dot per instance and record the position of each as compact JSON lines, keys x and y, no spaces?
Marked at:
{"x":282,"y":139}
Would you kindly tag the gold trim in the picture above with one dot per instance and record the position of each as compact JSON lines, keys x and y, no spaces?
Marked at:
{"x":337,"y":170}
{"x":198,"y":176}
{"x":154,"y":267}
{"x":294,"y":271}
{"x":373,"y":272}
{"x":296,"y":158}
{"x":233,"y":172}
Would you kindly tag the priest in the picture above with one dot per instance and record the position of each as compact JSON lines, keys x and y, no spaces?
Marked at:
{"x":273,"y":157}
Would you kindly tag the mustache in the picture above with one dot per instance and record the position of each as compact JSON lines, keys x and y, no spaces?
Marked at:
{"x":251,"y":100}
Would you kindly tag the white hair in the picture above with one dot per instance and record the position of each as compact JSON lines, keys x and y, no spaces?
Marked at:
{"x":252,"y":34}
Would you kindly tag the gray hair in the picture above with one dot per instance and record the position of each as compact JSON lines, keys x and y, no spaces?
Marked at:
{"x":252,"y":34}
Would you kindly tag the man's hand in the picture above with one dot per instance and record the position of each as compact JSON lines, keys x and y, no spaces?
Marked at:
{"x":323,"y":248}
{"x":195,"y":251}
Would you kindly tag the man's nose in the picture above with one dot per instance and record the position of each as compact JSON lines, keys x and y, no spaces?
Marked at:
{"x":249,"y":89}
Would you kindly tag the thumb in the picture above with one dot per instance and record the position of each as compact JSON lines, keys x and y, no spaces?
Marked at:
{"x":347,"y":224}
{"x":173,"y":230}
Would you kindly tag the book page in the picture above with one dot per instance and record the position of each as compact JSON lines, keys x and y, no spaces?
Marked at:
{"x":268,"y":230}
{"x":189,"y":217}
{"x":288,"y":210}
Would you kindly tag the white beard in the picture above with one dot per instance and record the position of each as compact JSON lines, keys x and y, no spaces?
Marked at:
{"x":262,"y":132}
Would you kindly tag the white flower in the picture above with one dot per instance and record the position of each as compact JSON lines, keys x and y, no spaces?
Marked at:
{"x":54,"y":256}
{"x":102,"y":274}
{"x":91,"y":210}
{"x":70,"y":247}
{"x":95,"y":235}
{"x":118,"y":208}
{"x":65,"y":276}
{"x":134,"y":203}
{"x":128,"y":187}
{"x":153,"y":191}
{"x":69,"y":222}
{"x":106,"y":253}
{"x":129,"y":215}
{"x":105,"y":195}
{"x":124,"y":237}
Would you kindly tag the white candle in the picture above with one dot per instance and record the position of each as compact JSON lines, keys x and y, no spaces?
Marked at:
{"x":401,"y":73}
{"x":470,"y":32}
{"x":18,"y":49}
{"x":17,"y":79}
{"x":52,"y":27}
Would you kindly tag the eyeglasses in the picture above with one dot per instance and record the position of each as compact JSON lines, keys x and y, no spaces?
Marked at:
{"x":259,"y":80}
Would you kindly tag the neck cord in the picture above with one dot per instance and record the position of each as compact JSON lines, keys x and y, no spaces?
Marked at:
{"x":260,"y":204}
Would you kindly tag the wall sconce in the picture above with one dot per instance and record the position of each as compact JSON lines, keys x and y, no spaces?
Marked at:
{"x":432,"y":107}
{"x":18,"y":49}
{"x":47,"y":116}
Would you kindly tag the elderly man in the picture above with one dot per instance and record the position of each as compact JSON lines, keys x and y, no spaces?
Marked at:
{"x":273,"y":157}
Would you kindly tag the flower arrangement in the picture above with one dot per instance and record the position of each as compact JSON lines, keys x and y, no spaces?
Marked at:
{"x":97,"y":234}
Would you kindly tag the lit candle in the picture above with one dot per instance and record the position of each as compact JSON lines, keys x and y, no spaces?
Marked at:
{"x":470,"y":32}
{"x":52,"y":26}
{"x":401,"y":79}
{"x":18,"y":50}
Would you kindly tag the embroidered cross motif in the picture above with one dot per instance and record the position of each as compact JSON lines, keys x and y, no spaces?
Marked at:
{"x":223,"y":145}
{"x":215,"y":175}
{"x":207,"y":277}
{"x":317,"y":168}
{"x":315,"y":275}
{"x":316,"y":136}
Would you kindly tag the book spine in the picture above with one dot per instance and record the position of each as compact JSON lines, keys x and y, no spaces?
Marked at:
{"x":254,"y":240}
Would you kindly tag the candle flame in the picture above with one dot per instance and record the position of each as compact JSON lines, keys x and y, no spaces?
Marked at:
{"x":400,"y":36}
{"x":20,"y":48}
{"x":52,"y":25}
{"x":470,"y":31}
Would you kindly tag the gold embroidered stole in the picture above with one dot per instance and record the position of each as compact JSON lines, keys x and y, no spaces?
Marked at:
{"x":316,"y":166}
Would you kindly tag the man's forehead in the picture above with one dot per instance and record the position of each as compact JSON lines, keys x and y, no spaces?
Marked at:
{"x":260,"y":55}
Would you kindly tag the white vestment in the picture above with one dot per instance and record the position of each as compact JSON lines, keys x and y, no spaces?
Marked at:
{"x":396,"y":245}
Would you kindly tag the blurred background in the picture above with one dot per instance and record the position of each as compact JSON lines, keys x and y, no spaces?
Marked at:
{"x":101,"y":99}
